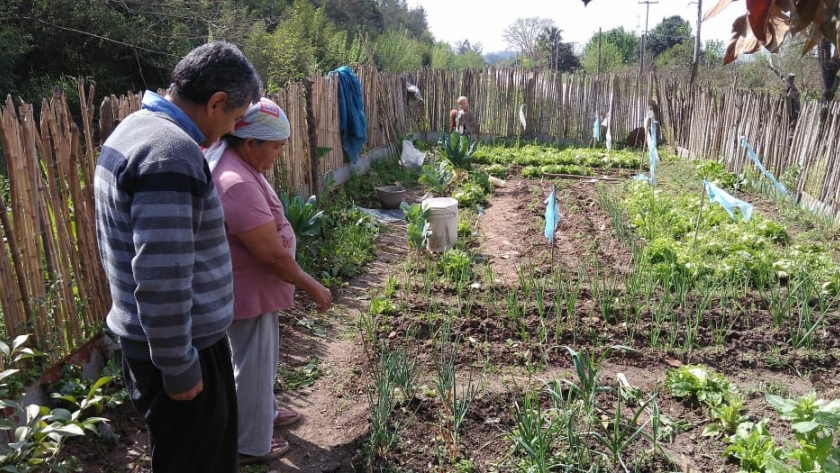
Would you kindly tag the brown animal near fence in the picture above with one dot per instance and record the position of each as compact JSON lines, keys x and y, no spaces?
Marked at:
{"x":636,"y":138}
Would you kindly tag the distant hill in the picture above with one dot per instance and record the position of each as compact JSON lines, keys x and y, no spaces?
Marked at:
{"x":499,"y":56}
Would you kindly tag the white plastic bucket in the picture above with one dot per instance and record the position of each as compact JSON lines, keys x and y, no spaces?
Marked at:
{"x":442,"y":219}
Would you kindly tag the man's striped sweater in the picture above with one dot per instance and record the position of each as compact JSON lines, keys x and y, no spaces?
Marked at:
{"x":161,"y":236}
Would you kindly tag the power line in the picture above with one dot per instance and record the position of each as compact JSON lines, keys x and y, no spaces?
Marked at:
{"x":86,"y":33}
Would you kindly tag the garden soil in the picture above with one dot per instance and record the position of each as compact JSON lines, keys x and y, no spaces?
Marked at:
{"x":335,"y":407}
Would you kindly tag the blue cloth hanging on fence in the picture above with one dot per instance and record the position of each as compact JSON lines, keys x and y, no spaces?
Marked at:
{"x":596,"y":130}
{"x":729,"y":202}
{"x":351,"y":110}
{"x":552,"y":216}
{"x":769,"y":175}
{"x":654,"y":154}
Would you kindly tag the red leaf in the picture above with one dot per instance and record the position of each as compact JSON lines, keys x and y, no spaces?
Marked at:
{"x":721,"y":5}
{"x":778,"y":25}
{"x":742,"y":41}
{"x":759,"y":11}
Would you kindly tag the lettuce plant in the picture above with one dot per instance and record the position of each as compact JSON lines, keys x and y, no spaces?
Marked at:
{"x":753,"y":446}
{"x":815,"y":423}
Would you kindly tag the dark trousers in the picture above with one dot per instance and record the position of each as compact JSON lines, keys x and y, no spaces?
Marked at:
{"x":189,"y":436}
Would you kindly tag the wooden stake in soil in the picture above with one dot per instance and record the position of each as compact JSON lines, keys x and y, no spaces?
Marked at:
{"x":699,"y":215}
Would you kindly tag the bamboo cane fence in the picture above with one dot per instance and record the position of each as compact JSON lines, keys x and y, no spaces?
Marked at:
{"x":51,"y":280}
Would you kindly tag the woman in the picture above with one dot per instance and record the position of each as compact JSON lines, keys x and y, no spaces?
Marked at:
{"x":265,"y":274}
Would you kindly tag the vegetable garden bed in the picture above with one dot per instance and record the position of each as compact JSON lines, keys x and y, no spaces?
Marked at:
{"x":641,"y":342}
{"x":501,"y":356}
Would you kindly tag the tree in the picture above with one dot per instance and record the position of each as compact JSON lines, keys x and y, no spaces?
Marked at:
{"x":397,"y":51}
{"x":626,"y":42}
{"x":713,"y":51}
{"x":356,"y":14}
{"x":670,"y":32}
{"x":680,"y":55}
{"x":464,"y":46}
{"x":558,"y":55}
{"x":16,"y":44}
{"x":469,"y":60}
{"x":618,"y":48}
{"x":443,"y":57}
{"x":397,"y":15}
{"x":523,"y":35}
{"x":612,"y":58}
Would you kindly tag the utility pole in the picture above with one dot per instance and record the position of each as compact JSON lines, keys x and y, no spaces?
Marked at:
{"x":599,"y":51}
{"x":695,"y":65}
{"x":647,"y":4}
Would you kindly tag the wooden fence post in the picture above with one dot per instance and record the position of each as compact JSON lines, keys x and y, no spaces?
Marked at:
{"x":312,"y":134}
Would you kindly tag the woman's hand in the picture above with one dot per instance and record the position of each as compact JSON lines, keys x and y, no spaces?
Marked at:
{"x":266,"y":247}
{"x":322,"y":296}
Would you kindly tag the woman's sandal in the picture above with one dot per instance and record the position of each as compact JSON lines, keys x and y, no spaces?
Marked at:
{"x":278,"y":448}
{"x":286,"y":417}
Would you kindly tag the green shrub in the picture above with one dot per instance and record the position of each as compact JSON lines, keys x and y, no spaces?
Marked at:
{"x":42,"y":432}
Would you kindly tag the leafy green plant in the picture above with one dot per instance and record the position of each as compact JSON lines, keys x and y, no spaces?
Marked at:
{"x":458,"y":148}
{"x":346,"y":245}
{"x":391,"y":285}
{"x":498,"y":170}
{"x":707,"y":386}
{"x":716,"y":172}
{"x":416,"y":229}
{"x":71,"y":385}
{"x":753,"y":446}
{"x":17,"y":354}
{"x":469,"y":195}
{"x":42,"y":432}
{"x":720,"y":396}
{"x":726,"y":416}
{"x":437,"y":176}
{"x":455,"y":265}
{"x":290,"y":379}
{"x":304,"y":217}
{"x":381,"y":306}
{"x":816,"y":424}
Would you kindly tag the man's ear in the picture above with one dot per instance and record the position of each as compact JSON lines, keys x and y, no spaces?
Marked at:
{"x":217,"y":103}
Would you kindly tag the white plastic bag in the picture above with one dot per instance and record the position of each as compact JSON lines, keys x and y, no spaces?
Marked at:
{"x":411,"y":157}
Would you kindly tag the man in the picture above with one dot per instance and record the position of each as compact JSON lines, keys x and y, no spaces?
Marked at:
{"x":464,"y":121}
{"x":162,"y":241}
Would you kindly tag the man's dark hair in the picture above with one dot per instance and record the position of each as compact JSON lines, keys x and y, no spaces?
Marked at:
{"x":216,"y":67}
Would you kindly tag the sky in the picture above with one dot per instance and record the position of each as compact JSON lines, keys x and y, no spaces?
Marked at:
{"x":484,"y":21}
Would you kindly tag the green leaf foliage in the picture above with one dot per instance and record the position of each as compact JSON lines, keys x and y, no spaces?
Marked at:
{"x":457,"y":148}
{"x":816,"y":424}
{"x":416,"y":229}
{"x":753,"y":446}
{"x":303,"y":216}
{"x":39,"y":433}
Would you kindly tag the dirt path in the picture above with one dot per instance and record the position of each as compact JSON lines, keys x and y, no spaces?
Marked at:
{"x":335,"y":407}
